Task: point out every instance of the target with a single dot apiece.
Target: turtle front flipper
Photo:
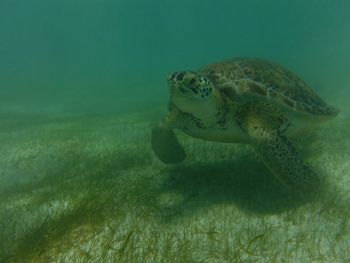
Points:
(166, 146)
(282, 159)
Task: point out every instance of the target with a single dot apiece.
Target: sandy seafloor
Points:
(89, 189)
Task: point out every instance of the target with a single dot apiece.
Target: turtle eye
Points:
(171, 76)
(192, 81)
(180, 76)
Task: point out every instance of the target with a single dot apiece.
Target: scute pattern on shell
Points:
(256, 77)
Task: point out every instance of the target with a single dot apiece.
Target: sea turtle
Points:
(244, 100)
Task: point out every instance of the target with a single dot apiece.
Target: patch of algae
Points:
(90, 190)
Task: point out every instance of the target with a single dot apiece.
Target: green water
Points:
(83, 82)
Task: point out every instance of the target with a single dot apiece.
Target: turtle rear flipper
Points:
(166, 146)
(283, 161)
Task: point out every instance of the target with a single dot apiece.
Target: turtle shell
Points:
(243, 79)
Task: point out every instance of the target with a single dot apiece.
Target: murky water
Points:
(82, 83)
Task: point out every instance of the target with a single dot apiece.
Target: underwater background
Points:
(83, 82)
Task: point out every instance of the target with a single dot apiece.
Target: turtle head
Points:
(190, 91)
